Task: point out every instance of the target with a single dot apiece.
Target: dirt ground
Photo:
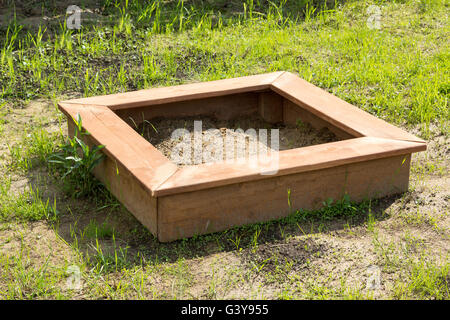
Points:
(34, 14)
(315, 259)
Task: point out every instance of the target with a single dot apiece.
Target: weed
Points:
(2, 115)
(33, 149)
(398, 73)
(26, 281)
(27, 206)
(105, 262)
(331, 209)
(94, 230)
(426, 280)
(393, 77)
(75, 161)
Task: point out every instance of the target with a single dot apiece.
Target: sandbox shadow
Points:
(103, 230)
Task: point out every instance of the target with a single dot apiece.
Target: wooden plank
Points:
(182, 92)
(222, 108)
(292, 113)
(192, 178)
(175, 203)
(270, 107)
(209, 210)
(125, 187)
(339, 113)
(123, 145)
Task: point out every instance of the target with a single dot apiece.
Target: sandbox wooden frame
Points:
(174, 203)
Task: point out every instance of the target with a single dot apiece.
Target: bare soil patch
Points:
(311, 260)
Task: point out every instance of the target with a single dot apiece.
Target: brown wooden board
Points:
(372, 160)
(215, 209)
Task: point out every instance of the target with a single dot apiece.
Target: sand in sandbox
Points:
(176, 139)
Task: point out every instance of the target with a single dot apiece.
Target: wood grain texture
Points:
(292, 113)
(123, 145)
(339, 113)
(192, 178)
(182, 92)
(174, 203)
(209, 210)
(223, 108)
(270, 107)
(125, 187)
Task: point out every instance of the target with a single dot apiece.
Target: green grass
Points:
(94, 230)
(75, 162)
(424, 279)
(2, 117)
(26, 206)
(106, 262)
(27, 281)
(33, 149)
(428, 280)
(399, 73)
